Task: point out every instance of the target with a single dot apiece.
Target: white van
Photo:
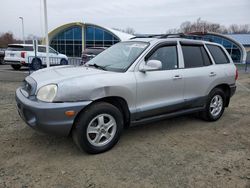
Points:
(18, 55)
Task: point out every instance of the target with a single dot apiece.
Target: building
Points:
(72, 38)
(234, 47)
(244, 39)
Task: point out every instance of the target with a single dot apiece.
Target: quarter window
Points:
(168, 57)
(218, 54)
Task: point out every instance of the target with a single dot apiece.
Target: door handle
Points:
(177, 77)
(212, 74)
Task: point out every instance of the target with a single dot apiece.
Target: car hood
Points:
(61, 73)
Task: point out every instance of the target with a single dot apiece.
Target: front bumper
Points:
(48, 117)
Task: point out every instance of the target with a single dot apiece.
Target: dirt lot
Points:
(180, 152)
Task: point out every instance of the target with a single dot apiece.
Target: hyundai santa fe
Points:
(137, 81)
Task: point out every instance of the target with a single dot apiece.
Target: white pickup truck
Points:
(18, 55)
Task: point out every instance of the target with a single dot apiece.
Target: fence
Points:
(54, 61)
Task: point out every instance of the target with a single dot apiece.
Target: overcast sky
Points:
(145, 16)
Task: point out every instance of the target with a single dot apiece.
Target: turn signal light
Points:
(70, 113)
(23, 54)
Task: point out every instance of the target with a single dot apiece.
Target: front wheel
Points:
(98, 128)
(215, 105)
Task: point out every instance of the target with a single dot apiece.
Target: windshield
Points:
(118, 57)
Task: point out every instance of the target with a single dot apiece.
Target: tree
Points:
(128, 30)
(7, 38)
(204, 26)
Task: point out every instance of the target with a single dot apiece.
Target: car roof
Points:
(9, 45)
(173, 39)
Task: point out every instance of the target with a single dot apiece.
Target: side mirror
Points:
(151, 65)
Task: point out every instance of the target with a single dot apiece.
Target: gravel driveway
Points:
(179, 152)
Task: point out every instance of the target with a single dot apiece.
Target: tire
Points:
(36, 64)
(90, 134)
(64, 62)
(16, 67)
(215, 105)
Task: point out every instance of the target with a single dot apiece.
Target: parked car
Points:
(90, 53)
(2, 55)
(132, 82)
(18, 55)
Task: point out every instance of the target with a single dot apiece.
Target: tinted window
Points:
(20, 48)
(41, 49)
(192, 56)
(218, 54)
(168, 57)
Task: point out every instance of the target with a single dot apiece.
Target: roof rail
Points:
(147, 36)
(175, 35)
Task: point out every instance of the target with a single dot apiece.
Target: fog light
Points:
(70, 113)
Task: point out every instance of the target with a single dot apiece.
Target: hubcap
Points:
(101, 129)
(216, 105)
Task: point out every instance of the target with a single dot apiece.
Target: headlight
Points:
(47, 93)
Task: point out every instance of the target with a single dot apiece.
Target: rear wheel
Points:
(215, 105)
(36, 64)
(16, 67)
(98, 128)
(64, 62)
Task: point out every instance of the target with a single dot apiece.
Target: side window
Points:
(41, 49)
(52, 51)
(218, 54)
(168, 57)
(193, 56)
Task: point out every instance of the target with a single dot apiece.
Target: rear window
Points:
(20, 48)
(41, 49)
(195, 56)
(218, 54)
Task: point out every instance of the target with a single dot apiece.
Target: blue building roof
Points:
(244, 39)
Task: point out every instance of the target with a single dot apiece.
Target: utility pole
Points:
(21, 18)
(46, 32)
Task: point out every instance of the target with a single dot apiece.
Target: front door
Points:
(160, 91)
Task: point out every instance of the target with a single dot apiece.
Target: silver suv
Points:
(132, 82)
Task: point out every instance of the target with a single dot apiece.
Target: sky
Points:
(145, 16)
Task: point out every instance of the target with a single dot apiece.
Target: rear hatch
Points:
(16, 52)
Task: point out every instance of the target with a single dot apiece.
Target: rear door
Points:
(54, 58)
(199, 73)
(160, 91)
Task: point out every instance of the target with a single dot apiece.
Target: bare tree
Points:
(128, 30)
(239, 29)
(204, 26)
(7, 38)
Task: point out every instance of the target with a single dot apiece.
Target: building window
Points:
(68, 42)
(98, 37)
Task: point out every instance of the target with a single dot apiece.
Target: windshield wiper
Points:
(96, 66)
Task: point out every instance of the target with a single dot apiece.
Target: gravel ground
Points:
(179, 152)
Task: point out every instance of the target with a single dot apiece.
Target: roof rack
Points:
(176, 35)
